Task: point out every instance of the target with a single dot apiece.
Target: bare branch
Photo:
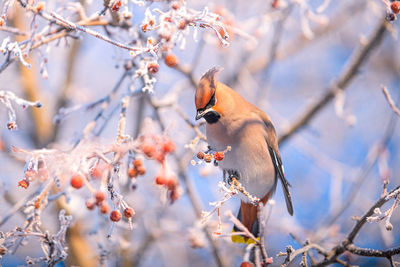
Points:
(390, 101)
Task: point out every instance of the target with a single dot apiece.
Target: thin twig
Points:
(390, 101)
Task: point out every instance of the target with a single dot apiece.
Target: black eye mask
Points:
(212, 117)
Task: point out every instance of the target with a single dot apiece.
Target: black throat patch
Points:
(212, 117)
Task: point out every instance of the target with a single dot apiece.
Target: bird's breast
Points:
(249, 155)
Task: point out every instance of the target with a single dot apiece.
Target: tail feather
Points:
(248, 216)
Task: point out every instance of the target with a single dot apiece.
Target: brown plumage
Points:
(233, 121)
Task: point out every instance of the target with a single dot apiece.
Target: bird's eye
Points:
(211, 103)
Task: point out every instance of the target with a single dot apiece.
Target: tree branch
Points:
(357, 58)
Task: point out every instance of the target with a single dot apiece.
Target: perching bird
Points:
(254, 157)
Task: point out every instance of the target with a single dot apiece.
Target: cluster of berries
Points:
(157, 147)
(208, 157)
(31, 174)
(98, 200)
(394, 10)
(170, 182)
(136, 168)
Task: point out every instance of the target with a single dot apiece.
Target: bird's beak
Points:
(200, 113)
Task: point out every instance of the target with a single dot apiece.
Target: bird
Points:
(254, 159)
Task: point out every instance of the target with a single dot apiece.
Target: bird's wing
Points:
(272, 143)
(276, 160)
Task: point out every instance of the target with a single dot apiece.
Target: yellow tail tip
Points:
(242, 240)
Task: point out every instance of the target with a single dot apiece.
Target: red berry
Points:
(96, 172)
(129, 212)
(90, 204)
(104, 208)
(115, 216)
(149, 150)
(218, 156)
(171, 60)
(100, 196)
(132, 173)
(168, 146)
(208, 158)
(160, 180)
(201, 155)
(137, 163)
(246, 264)
(23, 183)
(77, 181)
(152, 67)
(141, 170)
(395, 6)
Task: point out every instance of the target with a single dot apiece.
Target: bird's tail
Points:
(248, 216)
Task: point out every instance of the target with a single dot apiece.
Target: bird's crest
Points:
(206, 88)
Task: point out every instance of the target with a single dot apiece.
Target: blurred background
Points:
(317, 64)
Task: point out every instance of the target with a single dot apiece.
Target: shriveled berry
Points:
(100, 196)
(218, 156)
(208, 158)
(23, 183)
(77, 181)
(141, 170)
(201, 155)
(173, 195)
(11, 125)
(90, 204)
(128, 212)
(115, 216)
(132, 173)
(152, 67)
(395, 7)
(171, 60)
(104, 208)
(137, 163)
(168, 146)
(390, 16)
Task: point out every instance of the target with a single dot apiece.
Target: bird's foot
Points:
(232, 175)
